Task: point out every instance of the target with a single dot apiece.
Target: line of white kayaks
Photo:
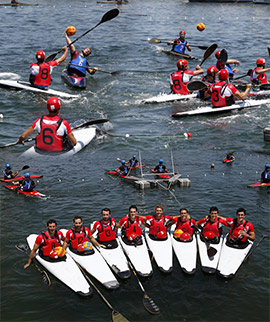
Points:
(102, 263)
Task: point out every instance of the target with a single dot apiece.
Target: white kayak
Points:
(209, 264)
(164, 98)
(231, 259)
(83, 136)
(138, 255)
(66, 271)
(186, 253)
(162, 252)
(215, 110)
(95, 265)
(20, 85)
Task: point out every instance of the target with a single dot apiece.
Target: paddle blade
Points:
(110, 15)
(25, 167)
(223, 56)
(153, 41)
(209, 51)
(118, 317)
(45, 278)
(22, 247)
(201, 47)
(211, 252)
(268, 48)
(196, 86)
(150, 305)
(91, 122)
(265, 87)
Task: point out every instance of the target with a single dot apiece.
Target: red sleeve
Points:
(34, 64)
(88, 231)
(114, 222)
(189, 72)
(175, 220)
(53, 63)
(232, 88)
(229, 221)
(65, 122)
(75, 55)
(223, 222)
(39, 239)
(96, 225)
(201, 221)
(193, 221)
(60, 235)
(123, 220)
(141, 219)
(168, 218)
(250, 227)
(68, 234)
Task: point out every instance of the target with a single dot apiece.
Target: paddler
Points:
(133, 162)
(78, 65)
(265, 175)
(40, 72)
(227, 66)
(211, 225)
(46, 242)
(160, 168)
(131, 226)
(222, 93)
(184, 228)
(52, 130)
(27, 184)
(258, 74)
(241, 229)
(208, 79)
(106, 229)
(180, 79)
(180, 44)
(123, 169)
(8, 174)
(78, 235)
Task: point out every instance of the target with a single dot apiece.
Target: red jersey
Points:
(235, 228)
(258, 78)
(105, 231)
(222, 94)
(179, 81)
(157, 225)
(48, 243)
(132, 226)
(78, 237)
(186, 227)
(42, 73)
(215, 227)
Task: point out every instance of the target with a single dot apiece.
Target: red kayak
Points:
(228, 160)
(138, 166)
(20, 178)
(114, 173)
(33, 193)
(161, 175)
(260, 184)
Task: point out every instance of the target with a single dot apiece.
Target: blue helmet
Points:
(123, 161)
(160, 161)
(134, 156)
(267, 165)
(27, 175)
(8, 165)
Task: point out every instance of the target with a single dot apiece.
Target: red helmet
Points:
(132, 236)
(53, 104)
(260, 61)
(223, 74)
(40, 54)
(212, 70)
(162, 234)
(209, 235)
(217, 54)
(182, 63)
(236, 234)
(185, 237)
(182, 31)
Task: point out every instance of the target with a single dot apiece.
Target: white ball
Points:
(1, 116)
(127, 135)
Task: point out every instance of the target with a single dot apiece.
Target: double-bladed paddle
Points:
(223, 56)
(247, 74)
(211, 251)
(158, 41)
(258, 244)
(109, 15)
(196, 86)
(209, 51)
(85, 124)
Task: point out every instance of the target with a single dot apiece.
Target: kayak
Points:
(74, 81)
(186, 252)
(209, 264)
(95, 265)
(162, 252)
(228, 161)
(164, 98)
(18, 4)
(65, 270)
(20, 178)
(33, 193)
(138, 255)
(215, 110)
(83, 135)
(116, 259)
(174, 53)
(161, 175)
(231, 258)
(260, 184)
(113, 2)
(19, 85)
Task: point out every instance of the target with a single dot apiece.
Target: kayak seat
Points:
(236, 244)
(153, 237)
(109, 244)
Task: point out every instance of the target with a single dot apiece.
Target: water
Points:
(76, 185)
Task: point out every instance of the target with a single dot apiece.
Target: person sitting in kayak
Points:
(78, 235)
(258, 74)
(8, 174)
(133, 162)
(46, 242)
(160, 168)
(265, 175)
(222, 93)
(27, 184)
(184, 228)
(208, 79)
(54, 133)
(241, 229)
(40, 72)
(229, 157)
(180, 44)
(78, 65)
(211, 226)
(227, 66)
(180, 79)
(131, 226)
(106, 229)
(123, 169)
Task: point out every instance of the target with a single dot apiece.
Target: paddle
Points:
(45, 276)
(24, 168)
(268, 48)
(106, 17)
(97, 69)
(116, 316)
(209, 51)
(158, 41)
(211, 251)
(87, 123)
(148, 303)
(223, 56)
(196, 86)
(253, 248)
(247, 74)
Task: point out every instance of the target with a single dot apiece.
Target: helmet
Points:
(8, 166)
(27, 175)
(160, 161)
(182, 31)
(217, 54)
(80, 248)
(162, 234)
(53, 104)
(212, 70)
(134, 156)
(267, 165)
(182, 63)
(123, 161)
(40, 54)
(236, 233)
(209, 235)
(223, 74)
(132, 236)
(260, 61)
(185, 237)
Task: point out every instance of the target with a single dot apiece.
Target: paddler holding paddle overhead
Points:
(52, 130)
(40, 72)
(180, 79)
(258, 74)
(180, 44)
(8, 174)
